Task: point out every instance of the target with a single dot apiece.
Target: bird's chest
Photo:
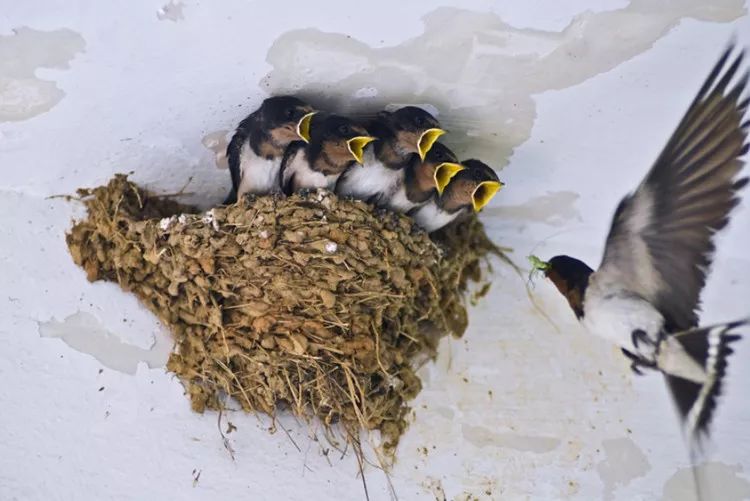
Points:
(257, 174)
(303, 176)
(370, 179)
(399, 202)
(616, 316)
(431, 217)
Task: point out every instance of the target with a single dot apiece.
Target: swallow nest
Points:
(311, 303)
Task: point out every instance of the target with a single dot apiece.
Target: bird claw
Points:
(637, 362)
(640, 336)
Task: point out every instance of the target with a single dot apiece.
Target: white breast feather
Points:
(257, 174)
(364, 181)
(614, 314)
(431, 217)
(304, 176)
(399, 202)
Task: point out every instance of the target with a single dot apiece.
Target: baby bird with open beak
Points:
(336, 143)
(257, 147)
(402, 135)
(419, 184)
(459, 191)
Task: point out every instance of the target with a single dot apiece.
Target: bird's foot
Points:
(640, 336)
(637, 362)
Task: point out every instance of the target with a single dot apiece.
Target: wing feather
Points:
(660, 243)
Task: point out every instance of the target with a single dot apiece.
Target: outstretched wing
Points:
(660, 244)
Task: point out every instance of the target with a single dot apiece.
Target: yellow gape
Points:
(426, 140)
(357, 145)
(303, 127)
(484, 193)
(443, 174)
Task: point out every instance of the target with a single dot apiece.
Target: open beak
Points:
(483, 193)
(357, 145)
(303, 126)
(426, 140)
(443, 174)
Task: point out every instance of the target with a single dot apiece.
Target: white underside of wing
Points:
(628, 260)
(257, 174)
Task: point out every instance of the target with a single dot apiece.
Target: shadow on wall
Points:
(477, 70)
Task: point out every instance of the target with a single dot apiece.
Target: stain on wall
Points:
(23, 94)
(171, 11)
(217, 142)
(84, 333)
(623, 463)
(715, 477)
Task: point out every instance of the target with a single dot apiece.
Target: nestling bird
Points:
(460, 189)
(418, 184)
(402, 135)
(336, 143)
(257, 147)
(645, 295)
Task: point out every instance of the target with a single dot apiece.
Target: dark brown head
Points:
(407, 131)
(285, 119)
(336, 143)
(571, 277)
(421, 182)
(470, 188)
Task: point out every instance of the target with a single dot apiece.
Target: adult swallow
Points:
(645, 295)
(257, 147)
(402, 135)
(335, 144)
(460, 189)
(418, 184)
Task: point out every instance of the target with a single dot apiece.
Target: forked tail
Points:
(694, 363)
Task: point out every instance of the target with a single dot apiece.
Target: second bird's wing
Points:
(660, 244)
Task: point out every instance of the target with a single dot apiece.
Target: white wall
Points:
(573, 98)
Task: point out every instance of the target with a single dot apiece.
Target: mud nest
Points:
(311, 303)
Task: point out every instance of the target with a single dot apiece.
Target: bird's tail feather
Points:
(694, 364)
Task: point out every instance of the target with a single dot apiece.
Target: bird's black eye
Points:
(289, 113)
(419, 120)
(345, 130)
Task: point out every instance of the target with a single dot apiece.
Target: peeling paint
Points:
(554, 208)
(484, 437)
(623, 463)
(217, 142)
(84, 333)
(478, 70)
(715, 477)
(171, 11)
(22, 94)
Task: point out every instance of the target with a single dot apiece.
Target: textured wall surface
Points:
(572, 99)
